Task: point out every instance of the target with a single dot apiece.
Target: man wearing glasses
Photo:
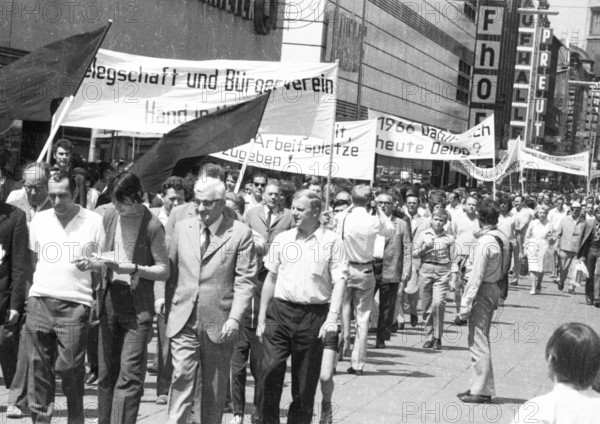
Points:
(259, 184)
(33, 197)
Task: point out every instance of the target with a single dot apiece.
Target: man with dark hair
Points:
(63, 152)
(259, 184)
(61, 241)
(231, 180)
(172, 194)
(506, 224)
(480, 298)
(569, 239)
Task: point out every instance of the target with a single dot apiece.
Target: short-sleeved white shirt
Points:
(56, 275)
(307, 269)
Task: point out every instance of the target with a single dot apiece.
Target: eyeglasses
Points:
(206, 203)
(260, 184)
(384, 203)
(36, 187)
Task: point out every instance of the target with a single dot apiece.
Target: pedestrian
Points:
(63, 154)
(300, 306)
(538, 238)
(436, 250)
(523, 216)
(590, 254)
(506, 224)
(573, 356)
(569, 239)
(212, 281)
(126, 298)
(61, 241)
(481, 296)
(358, 230)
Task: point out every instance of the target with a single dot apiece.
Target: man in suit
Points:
(31, 199)
(268, 220)
(213, 268)
(590, 253)
(13, 276)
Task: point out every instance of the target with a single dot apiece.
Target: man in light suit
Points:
(213, 270)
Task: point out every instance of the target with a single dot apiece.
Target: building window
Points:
(595, 23)
(470, 9)
(463, 83)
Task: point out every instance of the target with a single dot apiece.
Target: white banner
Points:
(401, 138)
(353, 152)
(574, 164)
(153, 95)
(507, 165)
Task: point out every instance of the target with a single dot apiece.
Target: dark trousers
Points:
(92, 348)
(58, 335)
(248, 347)
(388, 292)
(291, 329)
(18, 387)
(592, 288)
(122, 369)
(164, 361)
(9, 351)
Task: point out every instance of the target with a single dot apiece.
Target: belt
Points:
(436, 263)
(360, 263)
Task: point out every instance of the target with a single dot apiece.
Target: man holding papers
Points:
(60, 299)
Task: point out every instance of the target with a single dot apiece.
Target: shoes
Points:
(589, 301)
(161, 400)
(476, 399)
(437, 344)
(13, 411)
(414, 320)
(152, 370)
(428, 344)
(93, 377)
(228, 409)
(467, 393)
(458, 321)
(379, 344)
(561, 285)
(571, 290)
(372, 330)
(501, 302)
(394, 327)
(357, 373)
(597, 303)
(532, 291)
(326, 413)
(514, 283)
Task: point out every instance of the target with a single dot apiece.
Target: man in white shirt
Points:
(506, 224)
(523, 216)
(555, 215)
(358, 230)
(61, 241)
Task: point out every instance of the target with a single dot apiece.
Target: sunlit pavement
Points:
(404, 383)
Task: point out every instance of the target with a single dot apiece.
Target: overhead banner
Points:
(574, 164)
(126, 92)
(507, 165)
(353, 152)
(400, 138)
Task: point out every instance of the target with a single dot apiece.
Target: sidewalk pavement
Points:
(404, 383)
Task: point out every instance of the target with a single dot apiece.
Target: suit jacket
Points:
(586, 237)
(222, 283)
(256, 218)
(397, 257)
(14, 259)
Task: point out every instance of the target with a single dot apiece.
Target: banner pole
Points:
(62, 112)
(328, 188)
(494, 182)
(245, 165)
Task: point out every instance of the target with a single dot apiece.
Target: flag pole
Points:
(494, 182)
(66, 103)
(245, 165)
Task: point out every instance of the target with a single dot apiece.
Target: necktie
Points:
(269, 214)
(205, 243)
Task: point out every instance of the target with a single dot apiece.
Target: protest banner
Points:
(128, 92)
(400, 138)
(573, 164)
(507, 165)
(353, 152)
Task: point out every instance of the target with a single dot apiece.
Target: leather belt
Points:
(360, 263)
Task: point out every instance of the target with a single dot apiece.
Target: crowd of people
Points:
(90, 261)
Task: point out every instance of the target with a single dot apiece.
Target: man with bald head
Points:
(33, 197)
(213, 271)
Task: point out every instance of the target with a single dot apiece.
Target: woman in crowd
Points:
(539, 236)
(573, 356)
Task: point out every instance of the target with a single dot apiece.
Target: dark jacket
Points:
(14, 259)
